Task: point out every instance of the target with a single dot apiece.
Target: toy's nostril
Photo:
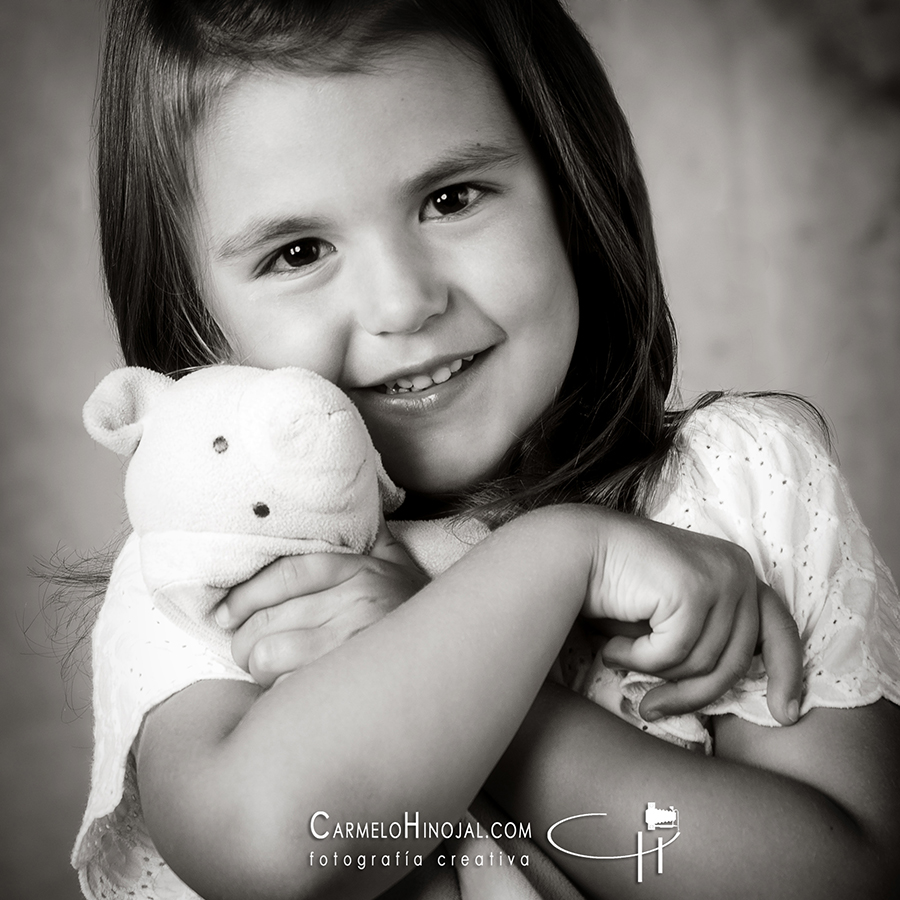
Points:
(261, 510)
(220, 445)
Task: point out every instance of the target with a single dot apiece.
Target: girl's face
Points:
(394, 233)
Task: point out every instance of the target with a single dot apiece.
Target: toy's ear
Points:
(113, 413)
(391, 495)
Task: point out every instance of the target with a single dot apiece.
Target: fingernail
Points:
(223, 616)
(652, 715)
(793, 710)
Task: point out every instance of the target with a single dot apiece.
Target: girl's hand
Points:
(707, 612)
(301, 607)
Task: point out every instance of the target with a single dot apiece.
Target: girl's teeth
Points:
(423, 381)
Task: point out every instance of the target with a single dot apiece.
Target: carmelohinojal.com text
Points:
(414, 829)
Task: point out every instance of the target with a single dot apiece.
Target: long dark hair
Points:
(607, 435)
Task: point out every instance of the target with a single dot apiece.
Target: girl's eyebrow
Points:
(468, 157)
(462, 159)
(263, 231)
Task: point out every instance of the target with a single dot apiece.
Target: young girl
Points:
(437, 206)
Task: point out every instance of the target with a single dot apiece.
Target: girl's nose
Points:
(400, 289)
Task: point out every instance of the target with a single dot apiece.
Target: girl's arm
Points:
(409, 716)
(808, 811)
(230, 776)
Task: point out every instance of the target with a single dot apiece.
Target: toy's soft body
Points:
(233, 467)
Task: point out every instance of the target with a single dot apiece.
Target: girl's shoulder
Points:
(750, 448)
(741, 422)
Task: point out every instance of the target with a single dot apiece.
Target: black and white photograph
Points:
(450, 450)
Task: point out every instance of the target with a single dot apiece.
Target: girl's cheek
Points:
(538, 273)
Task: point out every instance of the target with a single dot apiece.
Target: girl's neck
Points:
(427, 506)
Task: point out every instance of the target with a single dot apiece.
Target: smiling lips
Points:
(411, 384)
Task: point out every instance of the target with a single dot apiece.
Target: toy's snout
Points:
(297, 426)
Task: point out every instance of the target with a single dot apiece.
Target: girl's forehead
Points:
(395, 123)
(426, 63)
(431, 80)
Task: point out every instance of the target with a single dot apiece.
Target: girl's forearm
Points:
(442, 683)
(746, 830)
(410, 715)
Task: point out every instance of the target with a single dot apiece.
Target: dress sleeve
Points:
(139, 659)
(756, 471)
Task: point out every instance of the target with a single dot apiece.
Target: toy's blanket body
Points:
(232, 468)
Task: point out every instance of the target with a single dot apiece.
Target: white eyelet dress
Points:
(752, 471)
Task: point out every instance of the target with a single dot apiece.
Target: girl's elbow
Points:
(273, 852)
(235, 845)
(247, 859)
(279, 844)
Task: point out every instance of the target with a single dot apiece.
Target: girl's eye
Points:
(300, 254)
(451, 201)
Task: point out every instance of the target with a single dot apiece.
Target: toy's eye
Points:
(220, 445)
(261, 510)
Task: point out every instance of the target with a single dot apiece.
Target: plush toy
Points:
(232, 467)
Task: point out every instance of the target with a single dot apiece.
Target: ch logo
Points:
(653, 818)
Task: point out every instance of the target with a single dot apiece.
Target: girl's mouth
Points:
(415, 383)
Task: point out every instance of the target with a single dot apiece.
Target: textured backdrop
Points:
(770, 133)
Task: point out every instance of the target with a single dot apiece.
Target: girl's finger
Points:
(284, 579)
(675, 697)
(281, 652)
(782, 655)
(286, 652)
(312, 612)
(701, 659)
(716, 636)
(667, 645)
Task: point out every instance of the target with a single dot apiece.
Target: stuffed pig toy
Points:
(232, 467)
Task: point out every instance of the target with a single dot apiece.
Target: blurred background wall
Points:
(770, 133)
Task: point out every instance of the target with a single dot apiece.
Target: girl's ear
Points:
(391, 495)
(114, 412)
